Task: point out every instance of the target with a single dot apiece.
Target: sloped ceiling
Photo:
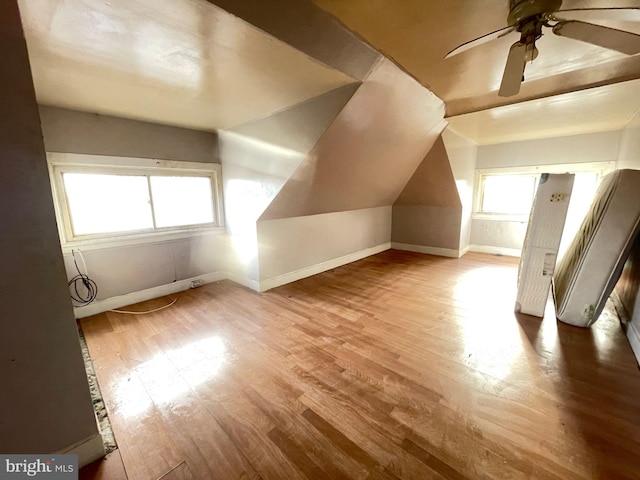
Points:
(178, 62)
(418, 35)
(219, 64)
(369, 152)
(306, 27)
(299, 127)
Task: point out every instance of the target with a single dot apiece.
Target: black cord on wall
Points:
(83, 289)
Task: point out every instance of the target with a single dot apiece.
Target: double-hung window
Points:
(102, 199)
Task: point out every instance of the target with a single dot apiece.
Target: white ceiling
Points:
(190, 63)
(418, 34)
(176, 62)
(609, 107)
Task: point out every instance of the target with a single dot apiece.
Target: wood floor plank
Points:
(400, 365)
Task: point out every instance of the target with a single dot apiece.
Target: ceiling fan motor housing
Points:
(522, 10)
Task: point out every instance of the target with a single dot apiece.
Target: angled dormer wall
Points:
(258, 158)
(336, 207)
(427, 215)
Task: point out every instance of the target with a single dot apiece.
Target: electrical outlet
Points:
(196, 283)
(559, 197)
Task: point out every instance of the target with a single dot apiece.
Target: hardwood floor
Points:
(400, 365)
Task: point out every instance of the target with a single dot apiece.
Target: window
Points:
(508, 193)
(112, 199)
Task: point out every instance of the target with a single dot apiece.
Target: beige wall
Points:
(258, 159)
(629, 156)
(369, 152)
(428, 212)
(462, 154)
(44, 396)
(586, 148)
(253, 172)
(428, 226)
(132, 268)
(117, 270)
(71, 131)
(291, 244)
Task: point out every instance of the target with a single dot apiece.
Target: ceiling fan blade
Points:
(513, 71)
(596, 9)
(480, 41)
(619, 40)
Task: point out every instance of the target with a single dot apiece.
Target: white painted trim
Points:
(285, 278)
(153, 238)
(59, 163)
(633, 334)
(509, 252)
(243, 280)
(88, 450)
(148, 294)
(464, 251)
(441, 252)
(181, 285)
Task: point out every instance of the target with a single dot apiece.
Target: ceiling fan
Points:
(528, 17)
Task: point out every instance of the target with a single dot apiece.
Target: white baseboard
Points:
(441, 252)
(148, 294)
(283, 279)
(509, 252)
(181, 285)
(464, 251)
(243, 280)
(88, 450)
(633, 334)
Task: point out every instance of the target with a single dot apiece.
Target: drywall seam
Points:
(440, 252)
(509, 252)
(289, 277)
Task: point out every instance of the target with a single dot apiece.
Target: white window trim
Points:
(60, 163)
(599, 168)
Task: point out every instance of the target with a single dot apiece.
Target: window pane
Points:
(182, 201)
(510, 194)
(107, 203)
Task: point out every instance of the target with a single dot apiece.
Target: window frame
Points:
(61, 163)
(599, 168)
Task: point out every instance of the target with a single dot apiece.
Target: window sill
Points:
(138, 239)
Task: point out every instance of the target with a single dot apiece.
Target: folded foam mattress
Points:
(587, 274)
